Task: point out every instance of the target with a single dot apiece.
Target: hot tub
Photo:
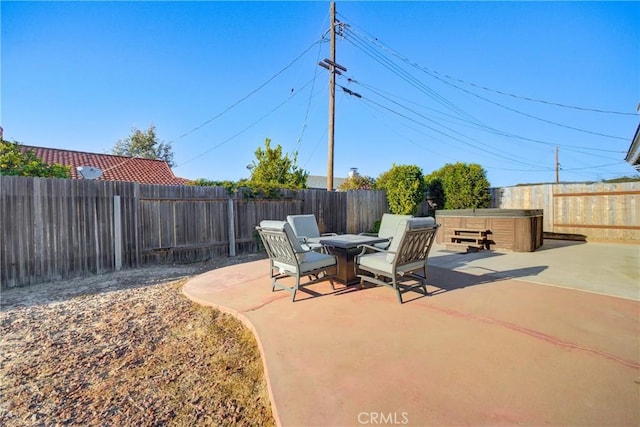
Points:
(518, 230)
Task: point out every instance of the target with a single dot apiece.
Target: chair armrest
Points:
(365, 248)
(329, 234)
(323, 249)
(368, 234)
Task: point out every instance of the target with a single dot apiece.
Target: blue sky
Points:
(441, 82)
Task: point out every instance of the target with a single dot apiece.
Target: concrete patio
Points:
(549, 337)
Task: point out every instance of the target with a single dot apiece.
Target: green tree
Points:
(357, 182)
(405, 188)
(465, 186)
(17, 162)
(273, 170)
(145, 145)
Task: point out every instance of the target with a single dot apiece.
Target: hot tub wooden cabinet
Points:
(518, 230)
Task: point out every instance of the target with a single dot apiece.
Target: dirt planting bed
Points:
(127, 348)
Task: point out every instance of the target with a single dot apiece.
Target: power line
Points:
(306, 115)
(500, 92)
(360, 44)
(316, 73)
(376, 42)
(483, 149)
(248, 127)
(486, 128)
(541, 101)
(591, 167)
(250, 93)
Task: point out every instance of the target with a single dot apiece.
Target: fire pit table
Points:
(345, 249)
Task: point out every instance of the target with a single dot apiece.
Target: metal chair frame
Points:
(290, 260)
(409, 260)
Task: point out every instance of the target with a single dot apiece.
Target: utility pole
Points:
(334, 68)
(557, 167)
(332, 96)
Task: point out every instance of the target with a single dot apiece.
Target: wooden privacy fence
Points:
(598, 212)
(53, 229)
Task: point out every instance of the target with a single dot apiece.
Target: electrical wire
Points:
(500, 92)
(376, 42)
(490, 129)
(248, 127)
(404, 75)
(541, 101)
(317, 72)
(250, 93)
(306, 115)
(482, 149)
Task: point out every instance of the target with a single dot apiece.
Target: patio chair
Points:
(305, 227)
(405, 258)
(388, 226)
(289, 259)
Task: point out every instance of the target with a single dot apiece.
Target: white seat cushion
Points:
(309, 261)
(378, 261)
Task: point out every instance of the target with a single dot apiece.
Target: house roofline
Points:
(633, 155)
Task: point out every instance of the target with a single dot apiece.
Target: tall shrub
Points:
(274, 170)
(465, 186)
(405, 188)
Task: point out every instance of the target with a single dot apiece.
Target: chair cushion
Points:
(304, 225)
(407, 224)
(395, 241)
(378, 261)
(389, 224)
(308, 261)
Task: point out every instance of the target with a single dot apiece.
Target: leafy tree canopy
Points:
(405, 188)
(465, 186)
(145, 145)
(273, 170)
(358, 182)
(16, 162)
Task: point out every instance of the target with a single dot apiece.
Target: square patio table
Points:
(345, 249)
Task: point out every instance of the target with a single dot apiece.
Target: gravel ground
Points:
(127, 348)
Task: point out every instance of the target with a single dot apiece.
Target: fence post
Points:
(117, 229)
(232, 229)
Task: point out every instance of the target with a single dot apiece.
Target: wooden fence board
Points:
(598, 211)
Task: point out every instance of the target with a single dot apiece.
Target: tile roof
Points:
(114, 168)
